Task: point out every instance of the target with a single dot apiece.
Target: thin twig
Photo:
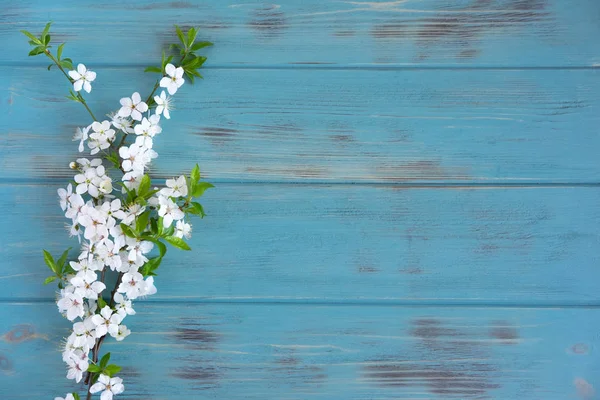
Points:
(79, 96)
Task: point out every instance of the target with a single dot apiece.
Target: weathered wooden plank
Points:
(235, 351)
(342, 126)
(350, 243)
(432, 32)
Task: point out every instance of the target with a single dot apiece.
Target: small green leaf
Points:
(33, 38)
(63, 259)
(177, 242)
(50, 66)
(46, 40)
(112, 369)
(46, 29)
(66, 64)
(154, 69)
(127, 231)
(104, 360)
(189, 76)
(49, 279)
(144, 185)
(101, 303)
(50, 262)
(180, 35)
(200, 45)
(142, 221)
(197, 209)
(200, 188)
(59, 50)
(195, 174)
(76, 396)
(36, 50)
(150, 266)
(94, 368)
(191, 36)
(153, 226)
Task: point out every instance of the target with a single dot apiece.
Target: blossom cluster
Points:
(100, 219)
(119, 221)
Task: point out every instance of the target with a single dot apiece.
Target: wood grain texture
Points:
(236, 351)
(500, 126)
(308, 32)
(345, 243)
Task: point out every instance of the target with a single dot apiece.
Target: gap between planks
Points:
(406, 185)
(335, 67)
(438, 303)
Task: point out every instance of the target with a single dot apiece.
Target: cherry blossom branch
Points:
(80, 98)
(120, 230)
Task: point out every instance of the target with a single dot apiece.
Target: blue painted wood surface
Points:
(406, 204)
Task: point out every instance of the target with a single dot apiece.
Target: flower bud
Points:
(105, 186)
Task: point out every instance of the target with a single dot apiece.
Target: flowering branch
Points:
(120, 229)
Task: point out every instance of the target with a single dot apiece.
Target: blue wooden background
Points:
(407, 202)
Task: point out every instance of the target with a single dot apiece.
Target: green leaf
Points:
(154, 69)
(67, 64)
(104, 360)
(142, 221)
(180, 35)
(144, 185)
(177, 242)
(101, 303)
(46, 40)
(30, 36)
(50, 279)
(46, 29)
(112, 369)
(63, 259)
(59, 50)
(200, 188)
(50, 66)
(195, 174)
(36, 50)
(201, 45)
(151, 265)
(94, 368)
(191, 36)
(189, 76)
(153, 226)
(197, 209)
(162, 248)
(127, 231)
(76, 396)
(50, 262)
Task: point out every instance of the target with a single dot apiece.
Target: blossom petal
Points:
(172, 87)
(170, 69)
(75, 75)
(78, 85)
(164, 82)
(86, 86)
(81, 69)
(179, 72)
(125, 102)
(96, 387)
(135, 97)
(90, 76)
(166, 113)
(136, 115)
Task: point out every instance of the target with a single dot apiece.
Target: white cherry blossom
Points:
(173, 80)
(82, 77)
(175, 188)
(183, 229)
(106, 322)
(164, 104)
(131, 284)
(123, 305)
(169, 210)
(65, 196)
(76, 369)
(71, 304)
(133, 107)
(108, 386)
(81, 134)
